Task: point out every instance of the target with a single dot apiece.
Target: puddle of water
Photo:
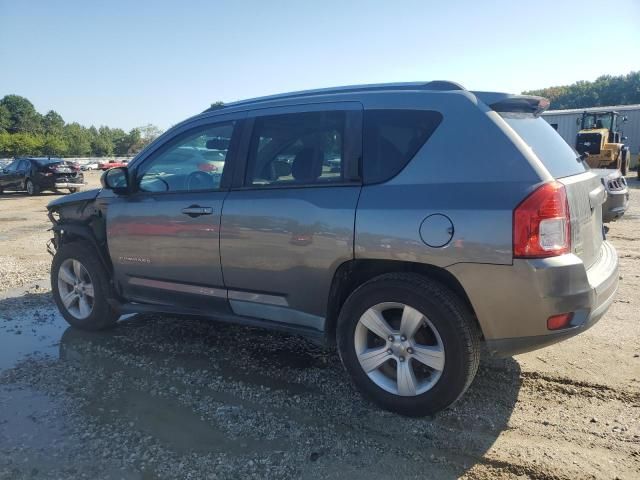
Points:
(171, 423)
(26, 419)
(33, 329)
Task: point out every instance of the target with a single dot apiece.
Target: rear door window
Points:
(392, 138)
(556, 154)
(297, 149)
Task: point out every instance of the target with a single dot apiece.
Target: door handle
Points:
(196, 210)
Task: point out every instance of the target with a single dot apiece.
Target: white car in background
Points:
(90, 166)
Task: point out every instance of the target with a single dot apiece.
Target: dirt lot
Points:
(163, 397)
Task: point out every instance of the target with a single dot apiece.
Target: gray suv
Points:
(409, 224)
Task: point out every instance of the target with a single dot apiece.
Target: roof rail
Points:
(441, 85)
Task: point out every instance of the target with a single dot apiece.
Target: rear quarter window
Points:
(391, 138)
(556, 154)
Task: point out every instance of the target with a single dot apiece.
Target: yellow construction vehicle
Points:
(600, 140)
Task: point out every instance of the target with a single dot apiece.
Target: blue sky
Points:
(128, 63)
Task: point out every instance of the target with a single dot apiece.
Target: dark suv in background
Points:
(36, 174)
(408, 224)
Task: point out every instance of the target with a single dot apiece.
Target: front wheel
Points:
(74, 190)
(409, 344)
(80, 287)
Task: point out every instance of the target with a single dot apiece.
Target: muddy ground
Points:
(165, 397)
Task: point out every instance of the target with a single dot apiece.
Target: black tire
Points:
(74, 190)
(624, 165)
(31, 187)
(445, 310)
(102, 315)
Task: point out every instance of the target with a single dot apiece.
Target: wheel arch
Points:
(353, 273)
(68, 232)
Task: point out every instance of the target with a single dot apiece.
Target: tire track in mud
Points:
(564, 385)
(489, 468)
(571, 387)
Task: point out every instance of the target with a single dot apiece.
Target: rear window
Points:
(556, 154)
(392, 138)
(47, 161)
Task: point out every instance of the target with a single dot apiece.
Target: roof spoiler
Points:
(503, 103)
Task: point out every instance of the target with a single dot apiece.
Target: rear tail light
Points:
(542, 224)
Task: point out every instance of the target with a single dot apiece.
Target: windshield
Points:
(597, 120)
(556, 154)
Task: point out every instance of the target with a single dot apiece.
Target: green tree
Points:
(77, 139)
(120, 141)
(54, 146)
(23, 117)
(605, 90)
(23, 144)
(5, 118)
(149, 133)
(52, 123)
(102, 146)
(5, 144)
(134, 141)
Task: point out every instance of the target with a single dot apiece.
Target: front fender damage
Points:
(79, 217)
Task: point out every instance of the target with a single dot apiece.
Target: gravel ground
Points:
(164, 397)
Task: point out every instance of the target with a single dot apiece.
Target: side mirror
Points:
(116, 179)
(578, 121)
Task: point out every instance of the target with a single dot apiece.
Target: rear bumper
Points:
(51, 182)
(513, 302)
(616, 204)
(68, 185)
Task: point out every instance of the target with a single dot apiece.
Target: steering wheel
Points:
(199, 180)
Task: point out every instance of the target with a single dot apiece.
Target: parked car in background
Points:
(408, 224)
(36, 174)
(617, 200)
(90, 166)
(112, 164)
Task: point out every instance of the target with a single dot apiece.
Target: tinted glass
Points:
(23, 166)
(193, 162)
(556, 154)
(47, 161)
(392, 138)
(297, 148)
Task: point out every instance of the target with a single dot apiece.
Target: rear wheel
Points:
(80, 287)
(624, 165)
(409, 344)
(31, 188)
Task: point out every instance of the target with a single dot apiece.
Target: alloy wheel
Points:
(399, 349)
(75, 288)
